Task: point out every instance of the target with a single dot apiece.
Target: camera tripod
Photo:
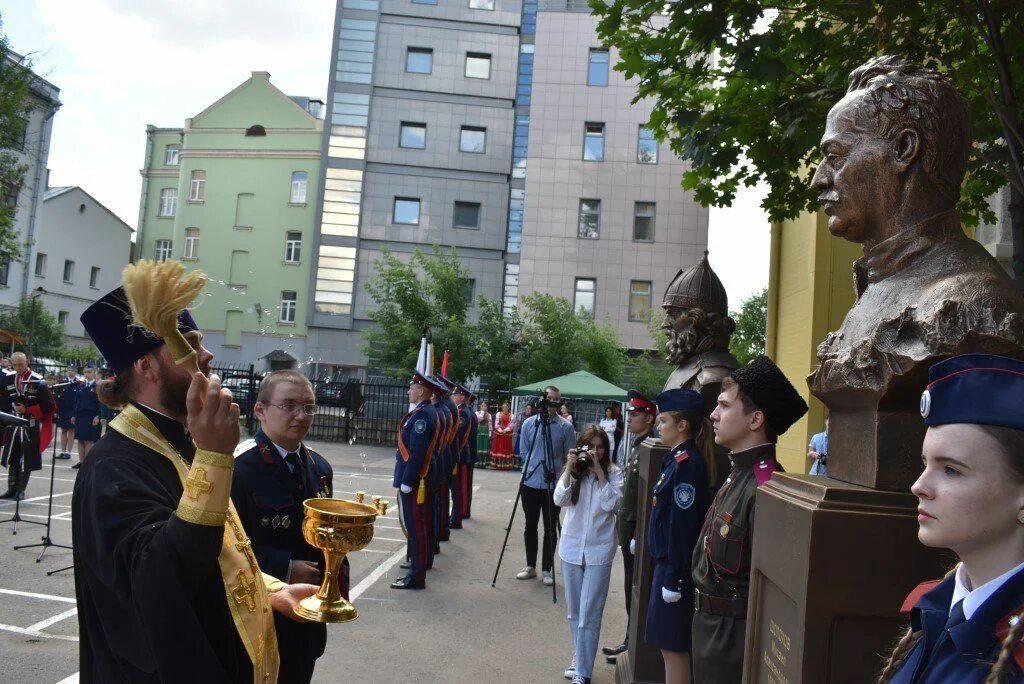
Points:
(46, 541)
(21, 434)
(546, 462)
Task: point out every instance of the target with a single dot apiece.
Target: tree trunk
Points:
(1016, 217)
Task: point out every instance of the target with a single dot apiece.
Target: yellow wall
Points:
(810, 289)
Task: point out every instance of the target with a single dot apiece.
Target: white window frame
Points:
(288, 306)
(481, 56)
(191, 244)
(172, 155)
(593, 293)
(300, 186)
(168, 202)
(472, 129)
(292, 247)
(197, 187)
(634, 293)
(162, 250)
(40, 264)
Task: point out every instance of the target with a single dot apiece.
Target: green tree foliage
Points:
(15, 105)
(427, 290)
(751, 326)
(742, 87)
(499, 345)
(43, 334)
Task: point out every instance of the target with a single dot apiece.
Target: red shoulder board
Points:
(682, 456)
(763, 470)
(915, 596)
(1003, 628)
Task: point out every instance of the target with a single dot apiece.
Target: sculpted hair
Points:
(903, 95)
(272, 380)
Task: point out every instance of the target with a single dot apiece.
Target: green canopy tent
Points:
(578, 385)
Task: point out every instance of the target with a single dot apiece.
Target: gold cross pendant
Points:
(196, 484)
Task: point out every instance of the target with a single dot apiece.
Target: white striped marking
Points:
(29, 594)
(377, 573)
(43, 624)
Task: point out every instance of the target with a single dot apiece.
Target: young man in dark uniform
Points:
(460, 471)
(418, 439)
(756, 405)
(467, 482)
(26, 394)
(167, 585)
(65, 393)
(86, 418)
(274, 473)
(639, 422)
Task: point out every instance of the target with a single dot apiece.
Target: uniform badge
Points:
(926, 403)
(685, 494)
(420, 426)
(275, 522)
(286, 522)
(264, 521)
(724, 530)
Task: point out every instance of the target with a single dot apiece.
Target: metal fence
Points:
(360, 412)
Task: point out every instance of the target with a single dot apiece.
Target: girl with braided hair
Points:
(969, 626)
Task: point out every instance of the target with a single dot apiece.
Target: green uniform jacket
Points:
(625, 522)
(721, 569)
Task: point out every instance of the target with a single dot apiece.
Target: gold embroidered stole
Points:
(244, 584)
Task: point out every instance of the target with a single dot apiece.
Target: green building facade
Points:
(234, 194)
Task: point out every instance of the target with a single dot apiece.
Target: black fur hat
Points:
(764, 384)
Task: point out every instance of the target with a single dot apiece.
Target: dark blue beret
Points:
(108, 323)
(975, 388)
(680, 400)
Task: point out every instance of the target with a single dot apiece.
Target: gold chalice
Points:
(336, 527)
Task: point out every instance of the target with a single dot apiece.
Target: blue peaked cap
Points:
(680, 400)
(983, 389)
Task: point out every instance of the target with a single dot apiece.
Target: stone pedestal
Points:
(832, 564)
(642, 664)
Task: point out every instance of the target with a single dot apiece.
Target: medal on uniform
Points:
(724, 530)
(286, 522)
(264, 521)
(276, 522)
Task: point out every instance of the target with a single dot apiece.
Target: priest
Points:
(168, 587)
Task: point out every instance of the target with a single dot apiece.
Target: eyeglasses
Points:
(308, 409)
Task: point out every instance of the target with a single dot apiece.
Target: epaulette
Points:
(914, 596)
(763, 470)
(1003, 628)
(244, 446)
(682, 456)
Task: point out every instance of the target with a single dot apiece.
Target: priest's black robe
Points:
(151, 599)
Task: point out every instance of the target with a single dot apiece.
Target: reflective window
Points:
(300, 183)
(191, 244)
(481, 4)
(478, 65)
(288, 306)
(171, 155)
(292, 246)
(597, 69)
(510, 293)
(590, 219)
(473, 139)
(466, 215)
(413, 135)
(168, 201)
(407, 210)
(593, 142)
(334, 280)
(639, 299)
(197, 186)
(162, 250)
(646, 147)
(584, 297)
(419, 60)
(643, 221)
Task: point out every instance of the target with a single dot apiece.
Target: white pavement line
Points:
(39, 635)
(389, 539)
(376, 550)
(9, 505)
(43, 624)
(29, 594)
(39, 517)
(45, 496)
(377, 573)
(66, 515)
(73, 679)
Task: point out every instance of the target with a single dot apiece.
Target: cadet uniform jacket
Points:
(721, 569)
(625, 523)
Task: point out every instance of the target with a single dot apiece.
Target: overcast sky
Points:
(122, 64)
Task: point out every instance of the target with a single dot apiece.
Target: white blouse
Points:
(588, 530)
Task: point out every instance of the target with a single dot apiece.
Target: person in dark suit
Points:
(65, 392)
(86, 418)
(274, 473)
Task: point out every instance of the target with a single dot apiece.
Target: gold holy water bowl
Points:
(336, 527)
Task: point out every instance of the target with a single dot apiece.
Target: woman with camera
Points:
(680, 502)
(589, 491)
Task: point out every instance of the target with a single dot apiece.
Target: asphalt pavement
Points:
(459, 629)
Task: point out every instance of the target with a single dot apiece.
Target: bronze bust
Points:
(698, 326)
(894, 152)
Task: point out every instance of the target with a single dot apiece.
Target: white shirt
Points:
(588, 530)
(973, 599)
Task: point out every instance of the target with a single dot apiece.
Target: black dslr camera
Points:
(583, 461)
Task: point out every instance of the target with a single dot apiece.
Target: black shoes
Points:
(9, 494)
(616, 650)
(407, 583)
(77, 466)
(63, 456)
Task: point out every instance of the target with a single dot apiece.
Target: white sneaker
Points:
(547, 578)
(579, 679)
(570, 671)
(527, 573)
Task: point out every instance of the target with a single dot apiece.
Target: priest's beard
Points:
(174, 390)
